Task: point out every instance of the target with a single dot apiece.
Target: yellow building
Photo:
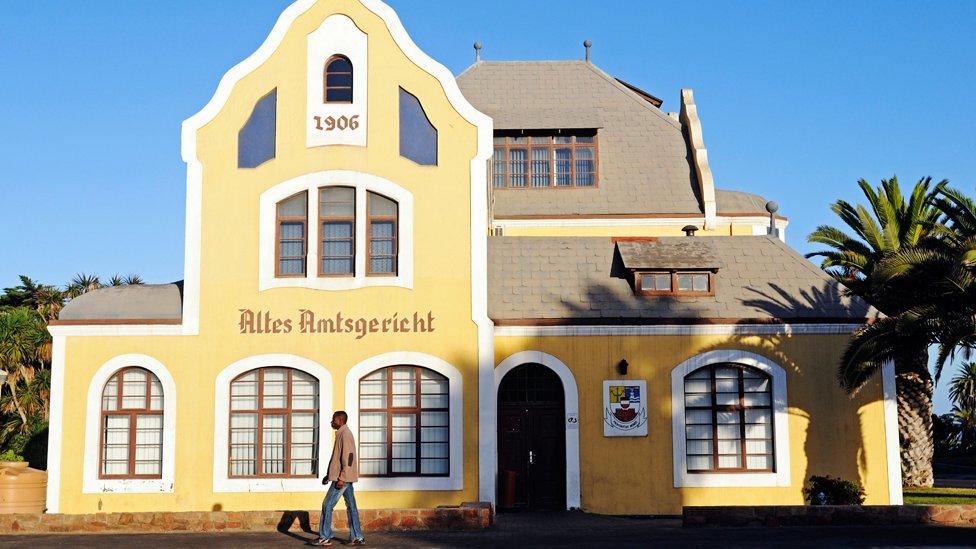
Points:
(535, 334)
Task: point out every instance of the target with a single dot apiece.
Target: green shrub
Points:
(10, 455)
(828, 490)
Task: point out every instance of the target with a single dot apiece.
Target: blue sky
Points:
(798, 100)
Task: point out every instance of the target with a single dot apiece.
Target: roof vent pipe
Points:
(689, 230)
(772, 208)
(587, 44)
(477, 52)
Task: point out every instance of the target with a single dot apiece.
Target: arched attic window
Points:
(338, 80)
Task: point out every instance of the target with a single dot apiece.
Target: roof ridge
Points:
(633, 95)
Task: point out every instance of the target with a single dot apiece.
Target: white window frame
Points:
(91, 484)
(221, 480)
(363, 183)
(456, 413)
(781, 432)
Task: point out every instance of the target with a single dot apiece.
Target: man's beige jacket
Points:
(344, 464)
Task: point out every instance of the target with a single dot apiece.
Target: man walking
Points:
(343, 472)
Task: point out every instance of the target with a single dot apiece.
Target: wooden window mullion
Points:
(259, 451)
(389, 421)
(286, 450)
(715, 461)
(419, 414)
(742, 418)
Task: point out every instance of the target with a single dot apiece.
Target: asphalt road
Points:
(547, 530)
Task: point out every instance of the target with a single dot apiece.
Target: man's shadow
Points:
(289, 517)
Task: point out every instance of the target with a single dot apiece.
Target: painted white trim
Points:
(118, 330)
(758, 224)
(682, 478)
(55, 425)
(699, 155)
(194, 167)
(221, 482)
(635, 222)
(479, 206)
(677, 329)
(337, 35)
(91, 484)
(456, 413)
(311, 183)
(571, 392)
(892, 446)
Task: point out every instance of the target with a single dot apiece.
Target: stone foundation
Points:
(468, 516)
(830, 515)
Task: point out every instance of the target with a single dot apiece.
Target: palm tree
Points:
(23, 339)
(890, 225)
(83, 283)
(962, 388)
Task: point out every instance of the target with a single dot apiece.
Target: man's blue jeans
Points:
(328, 504)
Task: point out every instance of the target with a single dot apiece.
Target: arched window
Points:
(728, 419)
(273, 424)
(381, 256)
(337, 219)
(404, 426)
(132, 426)
(338, 80)
(291, 235)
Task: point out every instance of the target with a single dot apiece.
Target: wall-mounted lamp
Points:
(622, 366)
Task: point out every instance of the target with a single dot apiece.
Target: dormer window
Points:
(545, 159)
(338, 80)
(676, 283)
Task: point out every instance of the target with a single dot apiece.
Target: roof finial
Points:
(587, 44)
(477, 52)
(772, 208)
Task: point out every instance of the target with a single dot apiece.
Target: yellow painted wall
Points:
(229, 279)
(628, 230)
(830, 432)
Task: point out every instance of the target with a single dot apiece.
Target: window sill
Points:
(330, 283)
(397, 484)
(240, 485)
(731, 480)
(129, 486)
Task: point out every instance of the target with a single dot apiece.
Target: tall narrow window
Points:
(256, 139)
(382, 252)
(728, 420)
(404, 423)
(337, 219)
(292, 228)
(132, 426)
(418, 136)
(338, 80)
(274, 424)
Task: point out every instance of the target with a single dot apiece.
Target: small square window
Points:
(656, 282)
(659, 283)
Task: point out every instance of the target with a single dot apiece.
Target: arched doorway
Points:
(531, 439)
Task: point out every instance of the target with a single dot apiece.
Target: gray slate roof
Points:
(577, 279)
(739, 202)
(134, 302)
(580, 279)
(644, 159)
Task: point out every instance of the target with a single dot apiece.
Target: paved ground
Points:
(550, 530)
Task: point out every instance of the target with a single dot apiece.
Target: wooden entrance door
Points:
(532, 439)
